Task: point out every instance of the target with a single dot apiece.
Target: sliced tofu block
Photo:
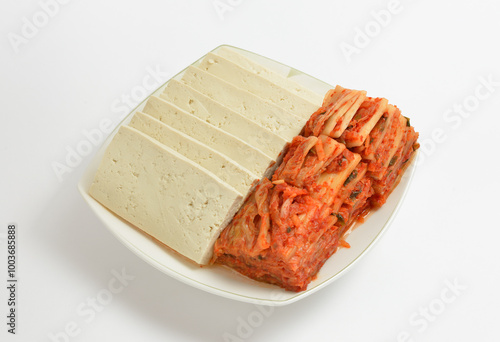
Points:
(165, 194)
(236, 149)
(203, 107)
(258, 85)
(269, 116)
(286, 83)
(227, 170)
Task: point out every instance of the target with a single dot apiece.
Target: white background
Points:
(76, 70)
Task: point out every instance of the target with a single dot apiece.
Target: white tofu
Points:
(236, 149)
(227, 170)
(214, 113)
(165, 194)
(268, 115)
(258, 85)
(249, 64)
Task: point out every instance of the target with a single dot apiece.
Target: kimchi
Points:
(350, 156)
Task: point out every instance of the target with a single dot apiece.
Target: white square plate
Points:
(224, 281)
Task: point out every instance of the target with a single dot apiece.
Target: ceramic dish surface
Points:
(221, 280)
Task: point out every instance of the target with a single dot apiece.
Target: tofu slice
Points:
(286, 83)
(236, 149)
(203, 107)
(258, 85)
(227, 170)
(269, 116)
(165, 194)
